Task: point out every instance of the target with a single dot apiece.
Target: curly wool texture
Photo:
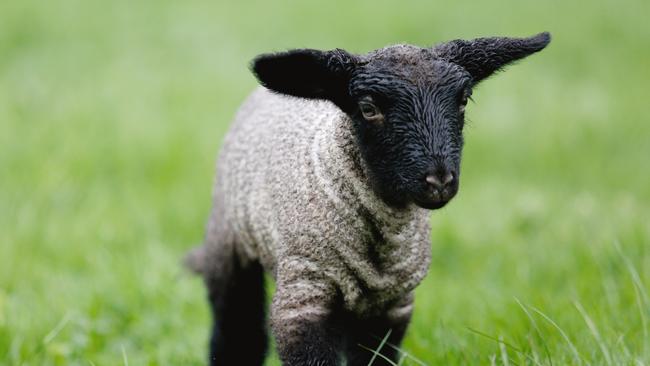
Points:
(292, 192)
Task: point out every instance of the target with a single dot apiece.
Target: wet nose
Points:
(440, 180)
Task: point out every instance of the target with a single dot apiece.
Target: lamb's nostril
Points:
(440, 181)
(434, 181)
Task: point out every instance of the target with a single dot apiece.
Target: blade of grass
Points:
(125, 359)
(504, 352)
(533, 350)
(406, 354)
(378, 355)
(377, 352)
(537, 330)
(573, 348)
(502, 341)
(641, 296)
(594, 330)
(633, 272)
(57, 329)
(620, 341)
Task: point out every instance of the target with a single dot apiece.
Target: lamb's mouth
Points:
(432, 200)
(431, 204)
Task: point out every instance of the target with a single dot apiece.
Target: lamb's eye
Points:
(369, 111)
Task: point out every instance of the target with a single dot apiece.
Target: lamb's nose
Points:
(440, 180)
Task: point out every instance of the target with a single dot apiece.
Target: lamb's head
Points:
(407, 104)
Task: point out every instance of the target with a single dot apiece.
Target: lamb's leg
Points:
(305, 330)
(370, 332)
(236, 294)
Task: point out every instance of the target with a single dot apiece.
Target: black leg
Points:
(308, 343)
(366, 336)
(237, 297)
(303, 322)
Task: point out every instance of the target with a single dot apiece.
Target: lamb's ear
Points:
(307, 73)
(482, 57)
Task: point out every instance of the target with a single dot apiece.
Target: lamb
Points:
(326, 181)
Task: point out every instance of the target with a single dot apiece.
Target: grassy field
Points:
(111, 114)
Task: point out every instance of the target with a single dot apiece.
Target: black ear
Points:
(307, 73)
(482, 57)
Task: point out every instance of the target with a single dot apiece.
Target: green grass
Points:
(111, 114)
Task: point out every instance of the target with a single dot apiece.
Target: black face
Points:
(410, 126)
(407, 105)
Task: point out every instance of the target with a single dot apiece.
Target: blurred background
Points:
(112, 113)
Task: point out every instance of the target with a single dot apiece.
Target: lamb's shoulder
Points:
(265, 172)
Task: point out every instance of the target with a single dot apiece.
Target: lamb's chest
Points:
(374, 285)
